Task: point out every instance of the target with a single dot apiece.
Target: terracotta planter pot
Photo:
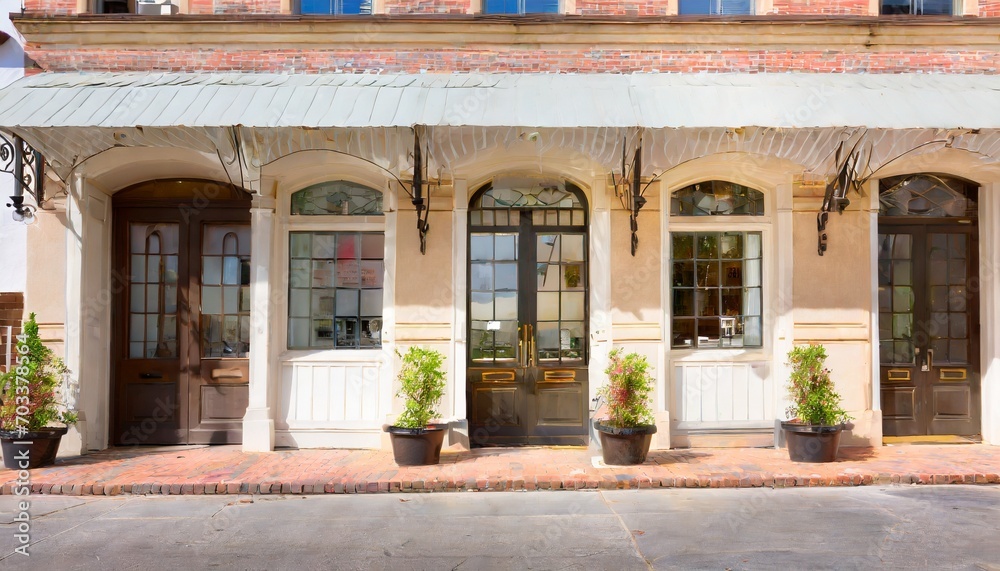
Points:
(624, 446)
(416, 446)
(812, 443)
(40, 447)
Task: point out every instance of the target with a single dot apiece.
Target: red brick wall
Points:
(51, 7)
(831, 7)
(11, 313)
(427, 6)
(989, 8)
(201, 6)
(519, 60)
(621, 7)
(247, 6)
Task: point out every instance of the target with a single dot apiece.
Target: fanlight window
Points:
(551, 203)
(337, 197)
(715, 198)
(927, 195)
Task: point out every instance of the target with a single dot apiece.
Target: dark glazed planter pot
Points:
(624, 446)
(416, 446)
(40, 447)
(812, 443)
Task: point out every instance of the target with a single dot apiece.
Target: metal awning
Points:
(262, 117)
(901, 101)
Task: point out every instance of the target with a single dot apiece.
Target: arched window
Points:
(928, 196)
(716, 273)
(335, 281)
(717, 197)
(337, 197)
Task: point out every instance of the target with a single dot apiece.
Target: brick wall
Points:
(247, 6)
(989, 8)
(520, 60)
(51, 7)
(427, 6)
(826, 7)
(621, 7)
(11, 313)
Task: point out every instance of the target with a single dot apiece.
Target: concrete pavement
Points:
(912, 527)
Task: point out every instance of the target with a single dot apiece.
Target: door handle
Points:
(150, 375)
(531, 346)
(930, 359)
(520, 345)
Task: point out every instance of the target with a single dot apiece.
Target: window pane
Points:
(695, 7)
(541, 6)
(320, 316)
(717, 299)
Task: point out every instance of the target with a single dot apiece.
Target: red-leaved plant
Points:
(628, 390)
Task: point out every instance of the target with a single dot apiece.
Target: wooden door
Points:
(527, 375)
(181, 314)
(929, 328)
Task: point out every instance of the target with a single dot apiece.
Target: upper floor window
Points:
(335, 7)
(716, 7)
(521, 6)
(919, 7)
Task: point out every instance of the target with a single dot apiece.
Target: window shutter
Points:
(738, 7)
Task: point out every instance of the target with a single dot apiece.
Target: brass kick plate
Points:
(954, 374)
(560, 376)
(898, 374)
(497, 376)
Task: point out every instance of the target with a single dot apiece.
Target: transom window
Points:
(927, 195)
(337, 197)
(918, 7)
(336, 7)
(521, 6)
(717, 197)
(716, 7)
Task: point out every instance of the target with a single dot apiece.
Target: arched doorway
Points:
(528, 314)
(928, 300)
(181, 314)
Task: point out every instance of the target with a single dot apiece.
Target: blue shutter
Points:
(541, 6)
(317, 6)
(737, 7)
(694, 7)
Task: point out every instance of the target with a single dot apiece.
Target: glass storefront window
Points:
(335, 290)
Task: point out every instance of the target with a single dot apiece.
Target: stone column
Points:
(258, 424)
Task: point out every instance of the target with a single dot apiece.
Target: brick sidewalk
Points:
(228, 470)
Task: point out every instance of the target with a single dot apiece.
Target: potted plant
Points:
(628, 429)
(31, 403)
(813, 434)
(415, 442)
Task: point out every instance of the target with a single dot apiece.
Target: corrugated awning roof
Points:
(113, 100)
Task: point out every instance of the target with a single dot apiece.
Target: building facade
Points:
(260, 202)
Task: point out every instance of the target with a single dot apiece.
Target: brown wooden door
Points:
(929, 328)
(527, 375)
(181, 315)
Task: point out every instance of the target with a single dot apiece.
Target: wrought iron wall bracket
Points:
(417, 193)
(630, 190)
(27, 166)
(835, 198)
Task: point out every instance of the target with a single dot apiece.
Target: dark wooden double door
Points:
(929, 328)
(181, 314)
(527, 371)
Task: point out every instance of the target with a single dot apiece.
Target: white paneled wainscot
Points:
(321, 400)
(722, 395)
